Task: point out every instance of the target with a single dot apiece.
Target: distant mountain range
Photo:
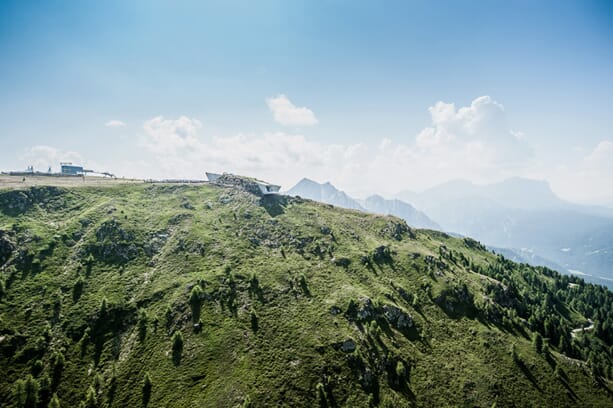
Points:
(521, 218)
(406, 211)
(327, 193)
(527, 217)
(324, 193)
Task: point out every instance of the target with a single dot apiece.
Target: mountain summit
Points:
(514, 193)
(327, 193)
(406, 211)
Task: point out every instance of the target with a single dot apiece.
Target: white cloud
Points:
(472, 142)
(476, 132)
(114, 123)
(168, 136)
(600, 160)
(179, 151)
(287, 114)
(590, 179)
(42, 157)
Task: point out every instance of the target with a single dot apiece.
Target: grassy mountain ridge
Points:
(173, 295)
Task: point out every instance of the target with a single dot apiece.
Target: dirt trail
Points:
(574, 332)
(18, 182)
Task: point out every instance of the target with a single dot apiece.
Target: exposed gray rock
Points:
(113, 243)
(397, 229)
(397, 318)
(155, 244)
(112, 230)
(348, 346)
(342, 261)
(366, 309)
(243, 183)
(186, 204)
(382, 254)
(15, 202)
(85, 222)
(6, 247)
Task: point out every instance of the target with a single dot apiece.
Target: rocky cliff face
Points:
(7, 246)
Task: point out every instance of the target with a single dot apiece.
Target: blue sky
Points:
(195, 86)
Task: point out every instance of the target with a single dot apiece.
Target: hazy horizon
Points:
(370, 98)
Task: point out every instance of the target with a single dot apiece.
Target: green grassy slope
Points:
(279, 302)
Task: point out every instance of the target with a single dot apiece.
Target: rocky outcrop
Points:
(346, 346)
(342, 262)
(364, 310)
(155, 243)
(15, 202)
(456, 300)
(243, 183)
(113, 243)
(382, 254)
(112, 231)
(6, 247)
(397, 229)
(397, 318)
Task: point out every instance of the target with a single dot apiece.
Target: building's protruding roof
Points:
(212, 176)
(249, 184)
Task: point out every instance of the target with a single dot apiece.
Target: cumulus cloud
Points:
(180, 151)
(114, 123)
(476, 132)
(42, 157)
(170, 136)
(288, 114)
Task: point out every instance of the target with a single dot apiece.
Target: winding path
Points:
(574, 332)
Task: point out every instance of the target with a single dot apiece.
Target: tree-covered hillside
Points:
(211, 295)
